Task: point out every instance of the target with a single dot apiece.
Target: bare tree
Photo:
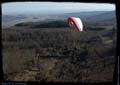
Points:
(38, 51)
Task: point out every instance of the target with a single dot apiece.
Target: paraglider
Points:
(75, 22)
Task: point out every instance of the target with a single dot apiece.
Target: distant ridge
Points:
(95, 16)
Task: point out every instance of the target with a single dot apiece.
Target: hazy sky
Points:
(54, 7)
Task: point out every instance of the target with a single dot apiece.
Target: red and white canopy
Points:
(76, 22)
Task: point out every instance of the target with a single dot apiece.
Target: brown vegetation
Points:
(58, 55)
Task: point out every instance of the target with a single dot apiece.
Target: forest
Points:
(52, 52)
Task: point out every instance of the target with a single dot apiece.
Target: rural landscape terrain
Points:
(44, 48)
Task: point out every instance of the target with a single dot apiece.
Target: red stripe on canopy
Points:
(70, 19)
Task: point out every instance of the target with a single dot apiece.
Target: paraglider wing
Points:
(76, 22)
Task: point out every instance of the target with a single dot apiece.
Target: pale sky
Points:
(54, 7)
